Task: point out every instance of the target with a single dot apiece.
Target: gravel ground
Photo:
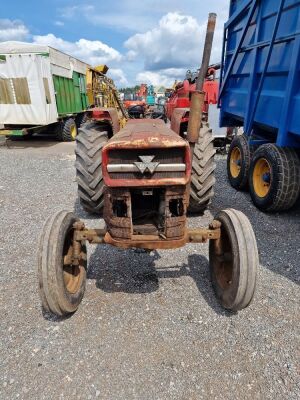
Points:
(149, 326)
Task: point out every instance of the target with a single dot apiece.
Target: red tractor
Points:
(142, 91)
(135, 105)
(177, 110)
(142, 180)
(181, 96)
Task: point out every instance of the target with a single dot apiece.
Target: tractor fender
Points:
(109, 115)
(179, 115)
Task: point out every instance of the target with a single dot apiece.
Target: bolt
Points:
(215, 224)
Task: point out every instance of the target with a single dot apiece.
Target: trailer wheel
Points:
(234, 260)
(61, 284)
(274, 178)
(91, 139)
(238, 162)
(203, 167)
(67, 130)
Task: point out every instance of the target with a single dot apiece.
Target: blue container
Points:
(150, 100)
(260, 78)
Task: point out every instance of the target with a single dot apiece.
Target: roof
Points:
(57, 57)
(14, 47)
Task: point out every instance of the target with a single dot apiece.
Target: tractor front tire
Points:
(203, 167)
(274, 178)
(90, 141)
(61, 285)
(234, 261)
(67, 130)
(238, 162)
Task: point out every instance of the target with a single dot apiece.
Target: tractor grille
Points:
(162, 156)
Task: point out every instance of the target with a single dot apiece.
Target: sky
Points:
(149, 41)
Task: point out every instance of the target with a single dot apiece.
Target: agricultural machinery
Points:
(135, 105)
(260, 92)
(150, 99)
(140, 179)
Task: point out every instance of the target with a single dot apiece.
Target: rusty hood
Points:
(149, 133)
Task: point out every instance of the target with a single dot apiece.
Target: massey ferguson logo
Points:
(146, 164)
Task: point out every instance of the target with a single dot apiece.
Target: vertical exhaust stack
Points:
(197, 101)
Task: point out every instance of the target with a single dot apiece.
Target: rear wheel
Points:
(238, 162)
(61, 283)
(274, 178)
(81, 119)
(203, 167)
(90, 141)
(67, 130)
(234, 260)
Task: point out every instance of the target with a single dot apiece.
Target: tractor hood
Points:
(150, 133)
(146, 153)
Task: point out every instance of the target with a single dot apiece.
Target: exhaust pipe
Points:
(198, 97)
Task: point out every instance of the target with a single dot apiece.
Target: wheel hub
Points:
(262, 177)
(73, 131)
(235, 162)
(71, 271)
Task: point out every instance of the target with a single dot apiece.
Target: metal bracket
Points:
(102, 236)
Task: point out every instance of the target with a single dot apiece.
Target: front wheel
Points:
(61, 280)
(234, 261)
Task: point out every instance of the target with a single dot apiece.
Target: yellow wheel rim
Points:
(235, 162)
(262, 177)
(73, 131)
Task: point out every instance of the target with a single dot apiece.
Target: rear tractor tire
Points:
(234, 261)
(203, 167)
(67, 130)
(81, 119)
(238, 162)
(274, 178)
(61, 284)
(90, 141)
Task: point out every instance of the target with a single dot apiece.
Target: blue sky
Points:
(152, 41)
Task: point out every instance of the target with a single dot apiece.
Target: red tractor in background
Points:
(177, 108)
(143, 91)
(135, 105)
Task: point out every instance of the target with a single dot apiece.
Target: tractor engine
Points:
(146, 170)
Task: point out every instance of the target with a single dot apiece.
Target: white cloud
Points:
(76, 11)
(163, 77)
(59, 23)
(177, 42)
(12, 30)
(127, 15)
(139, 16)
(92, 52)
(118, 76)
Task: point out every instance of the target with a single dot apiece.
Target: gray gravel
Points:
(149, 326)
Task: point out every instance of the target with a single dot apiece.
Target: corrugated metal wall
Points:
(70, 93)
